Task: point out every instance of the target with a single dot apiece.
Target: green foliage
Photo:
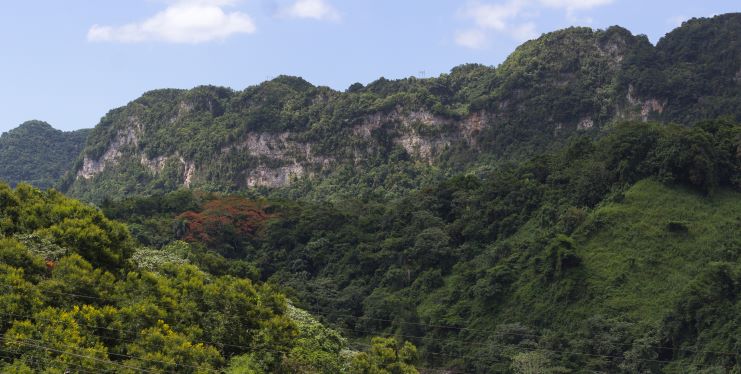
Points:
(48, 217)
(151, 259)
(612, 250)
(87, 306)
(706, 317)
(386, 356)
(105, 246)
(150, 219)
(36, 153)
(382, 140)
(160, 349)
(318, 349)
(14, 253)
(537, 247)
(702, 60)
(60, 337)
(533, 362)
(19, 296)
(565, 75)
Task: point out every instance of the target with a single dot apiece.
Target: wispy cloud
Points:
(515, 18)
(474, 39)
(182, 21)
(493, 16)
(574, 5)
(504, 17)
(311, 9)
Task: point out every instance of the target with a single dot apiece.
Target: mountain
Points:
(36, 153)
(701, 69)
(289, 133)
(575, 209)
(619, 254)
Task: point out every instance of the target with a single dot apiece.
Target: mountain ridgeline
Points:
(287, 132)
(36, 153)
(576, 209)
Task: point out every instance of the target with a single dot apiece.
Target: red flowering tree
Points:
(224, 223)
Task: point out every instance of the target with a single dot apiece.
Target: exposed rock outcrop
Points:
(127, 138)
(647, 107)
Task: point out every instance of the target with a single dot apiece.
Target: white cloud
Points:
(574, 5)
(500, 17)
(313, 9)
(183, 21)
(493, 16)
(515, 18)
(474, 39)
(218, 3)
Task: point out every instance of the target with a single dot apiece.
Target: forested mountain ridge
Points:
(36, 153)
(575, 210)
(287, 130)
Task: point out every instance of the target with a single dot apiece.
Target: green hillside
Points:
(79, 294)
(576, 209)
(36, 153)
(389, 137)
(642, 253)
(633, 292)
(535, 261)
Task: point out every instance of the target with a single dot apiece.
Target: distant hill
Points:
(36, 153)
(288, 133)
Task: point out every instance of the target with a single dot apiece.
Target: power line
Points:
(495, 332)
(171, 309)
(45, 360)
(112, 338)
(113, 302)
(377, 332)
(117, 339)
(245, 348)
(529, 349)
(392, 321)
(50, 349)
(133, 341)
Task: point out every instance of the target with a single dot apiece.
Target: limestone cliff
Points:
(286, 129)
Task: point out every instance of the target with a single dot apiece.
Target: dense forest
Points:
(383, 139)
(36, 153)
(608, 255)
(79, 294)
(576, 209)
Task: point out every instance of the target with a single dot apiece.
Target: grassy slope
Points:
(634, 265)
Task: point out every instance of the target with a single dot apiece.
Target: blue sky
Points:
(69, 62)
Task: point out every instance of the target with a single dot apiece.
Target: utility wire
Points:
(33, 344)
(402, 322)
(437, 326)
(60, 364)
(133, 341)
